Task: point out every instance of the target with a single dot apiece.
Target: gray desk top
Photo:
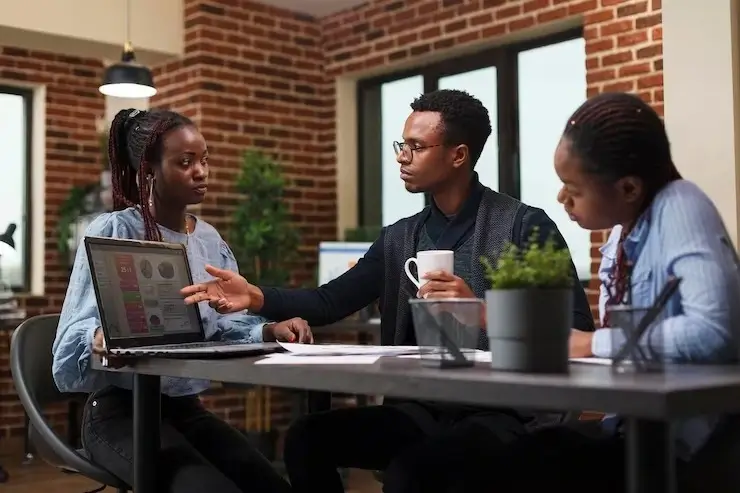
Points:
(679, 392)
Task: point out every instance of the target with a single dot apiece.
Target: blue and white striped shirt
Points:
(681, 235)
(79, 318)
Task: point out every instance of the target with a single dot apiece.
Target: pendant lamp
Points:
(128, 79)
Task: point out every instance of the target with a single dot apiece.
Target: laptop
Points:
(137, 285)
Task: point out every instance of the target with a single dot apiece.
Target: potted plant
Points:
(83, 202)
(261, 235)
(265, 243)
(529, 308)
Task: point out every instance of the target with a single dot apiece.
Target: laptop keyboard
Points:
(196, 345)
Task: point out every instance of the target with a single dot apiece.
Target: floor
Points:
(37, 476)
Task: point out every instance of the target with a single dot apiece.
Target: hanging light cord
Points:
(128, 48)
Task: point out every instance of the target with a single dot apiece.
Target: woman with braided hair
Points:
(615, 163)
(159, 164)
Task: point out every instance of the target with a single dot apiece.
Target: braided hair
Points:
(617, 135)
(134, 146)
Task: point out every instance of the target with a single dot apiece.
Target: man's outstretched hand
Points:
(227, 293)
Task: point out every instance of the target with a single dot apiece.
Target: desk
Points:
(646, 400)
(367, 333)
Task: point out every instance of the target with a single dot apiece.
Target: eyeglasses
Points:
(405, 151)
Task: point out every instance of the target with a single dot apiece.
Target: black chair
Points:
(30, 364)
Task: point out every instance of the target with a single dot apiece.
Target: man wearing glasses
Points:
(419, 445)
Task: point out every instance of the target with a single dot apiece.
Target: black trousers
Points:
(199, 452)
(577, 458)
(418, 448)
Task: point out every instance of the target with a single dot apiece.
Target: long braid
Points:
(619, 135)
(134, 147)
(123, 178)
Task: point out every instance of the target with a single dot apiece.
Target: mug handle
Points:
(408, 271)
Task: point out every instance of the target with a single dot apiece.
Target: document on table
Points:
(347, 349)
(295, 359)
(333, 354)
(592, 361)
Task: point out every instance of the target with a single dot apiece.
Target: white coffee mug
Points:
(428, 261)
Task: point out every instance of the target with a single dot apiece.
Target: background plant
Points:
(545, 266)
(262, 237)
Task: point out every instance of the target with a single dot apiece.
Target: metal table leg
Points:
(147, 419)
(651, 463)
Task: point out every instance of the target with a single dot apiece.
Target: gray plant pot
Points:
(528, 329)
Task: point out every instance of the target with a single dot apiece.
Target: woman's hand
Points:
(580, 344)
(98, 349)
(227, 293)
(293, 330)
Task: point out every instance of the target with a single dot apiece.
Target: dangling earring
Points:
(150, 183)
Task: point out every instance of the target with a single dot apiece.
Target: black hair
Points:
(464, 118)
(135, 140)
(618, 135)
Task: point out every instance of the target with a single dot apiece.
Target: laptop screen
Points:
(138, 289)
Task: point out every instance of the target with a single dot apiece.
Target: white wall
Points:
(700, 67)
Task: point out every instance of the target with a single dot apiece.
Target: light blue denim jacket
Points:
(682, 235)
(79, 317)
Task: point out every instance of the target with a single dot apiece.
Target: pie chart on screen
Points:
(146, 268)
(166, 270)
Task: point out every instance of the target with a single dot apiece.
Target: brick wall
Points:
(72, 158)
(255, 76)
(252, 76)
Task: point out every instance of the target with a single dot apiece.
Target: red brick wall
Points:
(255, 76)
(72, 158)
(252, 77)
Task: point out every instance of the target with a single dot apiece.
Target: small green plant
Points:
(70, 210)
(536, 266)
(262, 237)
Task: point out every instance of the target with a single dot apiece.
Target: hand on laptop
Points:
(98, 348)
(227, 293)
(293, 330)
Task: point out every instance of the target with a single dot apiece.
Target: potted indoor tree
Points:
(265, 244)
(529, 308)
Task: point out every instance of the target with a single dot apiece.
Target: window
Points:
(15, 187)
(529, 90)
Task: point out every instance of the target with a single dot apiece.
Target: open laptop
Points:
(142, 313)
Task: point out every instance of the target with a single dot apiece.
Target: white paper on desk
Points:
(592, 361)
(293, 359)
(346, 349)
(477, 356)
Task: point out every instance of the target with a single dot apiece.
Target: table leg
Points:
(319, 401)
(73, 425)
(147, 419)
(651, 462)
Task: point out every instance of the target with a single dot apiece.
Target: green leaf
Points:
(261, 235)
(535, 266)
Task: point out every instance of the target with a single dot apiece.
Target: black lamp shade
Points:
(128, 80)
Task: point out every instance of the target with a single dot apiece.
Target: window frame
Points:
(28, 96)
(505, 59)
